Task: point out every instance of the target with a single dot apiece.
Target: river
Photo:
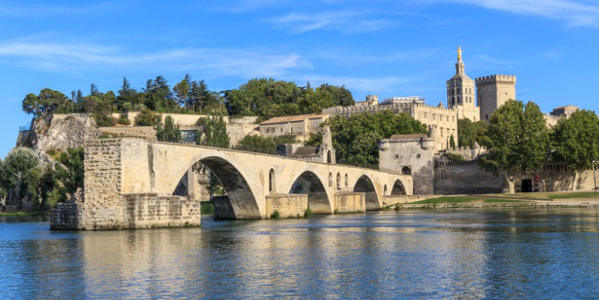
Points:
(502, 253)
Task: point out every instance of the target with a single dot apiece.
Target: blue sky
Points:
(383, 47)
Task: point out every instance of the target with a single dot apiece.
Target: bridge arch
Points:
(398, 188)
(309, 183)
(365, 185)
(241, 196)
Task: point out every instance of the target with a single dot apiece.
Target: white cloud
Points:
(350, 21)
(65, 57)
(574, 13)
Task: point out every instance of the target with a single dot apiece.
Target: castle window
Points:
(396, 156)
(418, 155)
(406, 171)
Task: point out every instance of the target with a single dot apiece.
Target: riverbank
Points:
(23, 214)
(544, 199)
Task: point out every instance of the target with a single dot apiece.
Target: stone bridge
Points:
(128, 180)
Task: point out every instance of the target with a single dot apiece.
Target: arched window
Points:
(385, 190)
(329, 157)
(271, 180)
(338, 181)
(346, 180)
(406, 170)
(330, 179)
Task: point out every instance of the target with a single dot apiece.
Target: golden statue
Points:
(459, 53)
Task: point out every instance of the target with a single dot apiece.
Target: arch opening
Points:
(365, 185)
(406, 171)
(329, 160)
(237, 200)
(271, 180)
(308, 183)
(398, 188)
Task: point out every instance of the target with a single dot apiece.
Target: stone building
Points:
(410, 154)
(300, 126)
(493, 91)
(324, 153)
(442, 122)
(460, 92)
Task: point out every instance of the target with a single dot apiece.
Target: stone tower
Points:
(493, 91)
(460, 92)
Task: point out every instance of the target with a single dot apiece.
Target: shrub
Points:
(275, 214)
(307, 213)
(147, 117)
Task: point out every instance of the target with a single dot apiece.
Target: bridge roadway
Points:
(248, 177)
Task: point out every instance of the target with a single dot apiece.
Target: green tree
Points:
(214, 133)
(147, 117)
(355, 138)
(255, 143)
(21, 172)
(452, 142)
(169, 132)
(517, 141)
(470, 132)
(575, 141)
(45, 103)
(182, 90)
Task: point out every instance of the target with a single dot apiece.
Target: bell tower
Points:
(461, 93)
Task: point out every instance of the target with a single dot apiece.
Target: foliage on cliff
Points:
(355, 138)
(267, 98)
(263, 97)
(28, 184)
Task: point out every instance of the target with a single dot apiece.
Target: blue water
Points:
(533, 253)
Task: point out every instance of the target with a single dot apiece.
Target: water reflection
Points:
(426, 254)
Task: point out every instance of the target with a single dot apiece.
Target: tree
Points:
(182, 90)
(340, 95)
(575, 141)
(169, 132)
(356, 137)
(256, 143)
(470, 132)
(517, 141)
(452, 142)
(21, 172)
(45, 103)
(147, 117)
(127, 99)
(214, 133)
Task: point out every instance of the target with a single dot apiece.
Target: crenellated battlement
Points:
(496, 78)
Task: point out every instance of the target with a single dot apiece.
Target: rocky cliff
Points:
(58, 132)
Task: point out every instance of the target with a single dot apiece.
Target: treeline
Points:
(28, 184)
(264, 98)
(519, 141)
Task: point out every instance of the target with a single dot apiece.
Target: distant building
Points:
(493, 91)
(410, 154)
(300, 126)
(460, 93)
(565, 111)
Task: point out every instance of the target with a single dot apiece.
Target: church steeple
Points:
(459, 66)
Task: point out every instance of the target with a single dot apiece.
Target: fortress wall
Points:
(466, 178)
